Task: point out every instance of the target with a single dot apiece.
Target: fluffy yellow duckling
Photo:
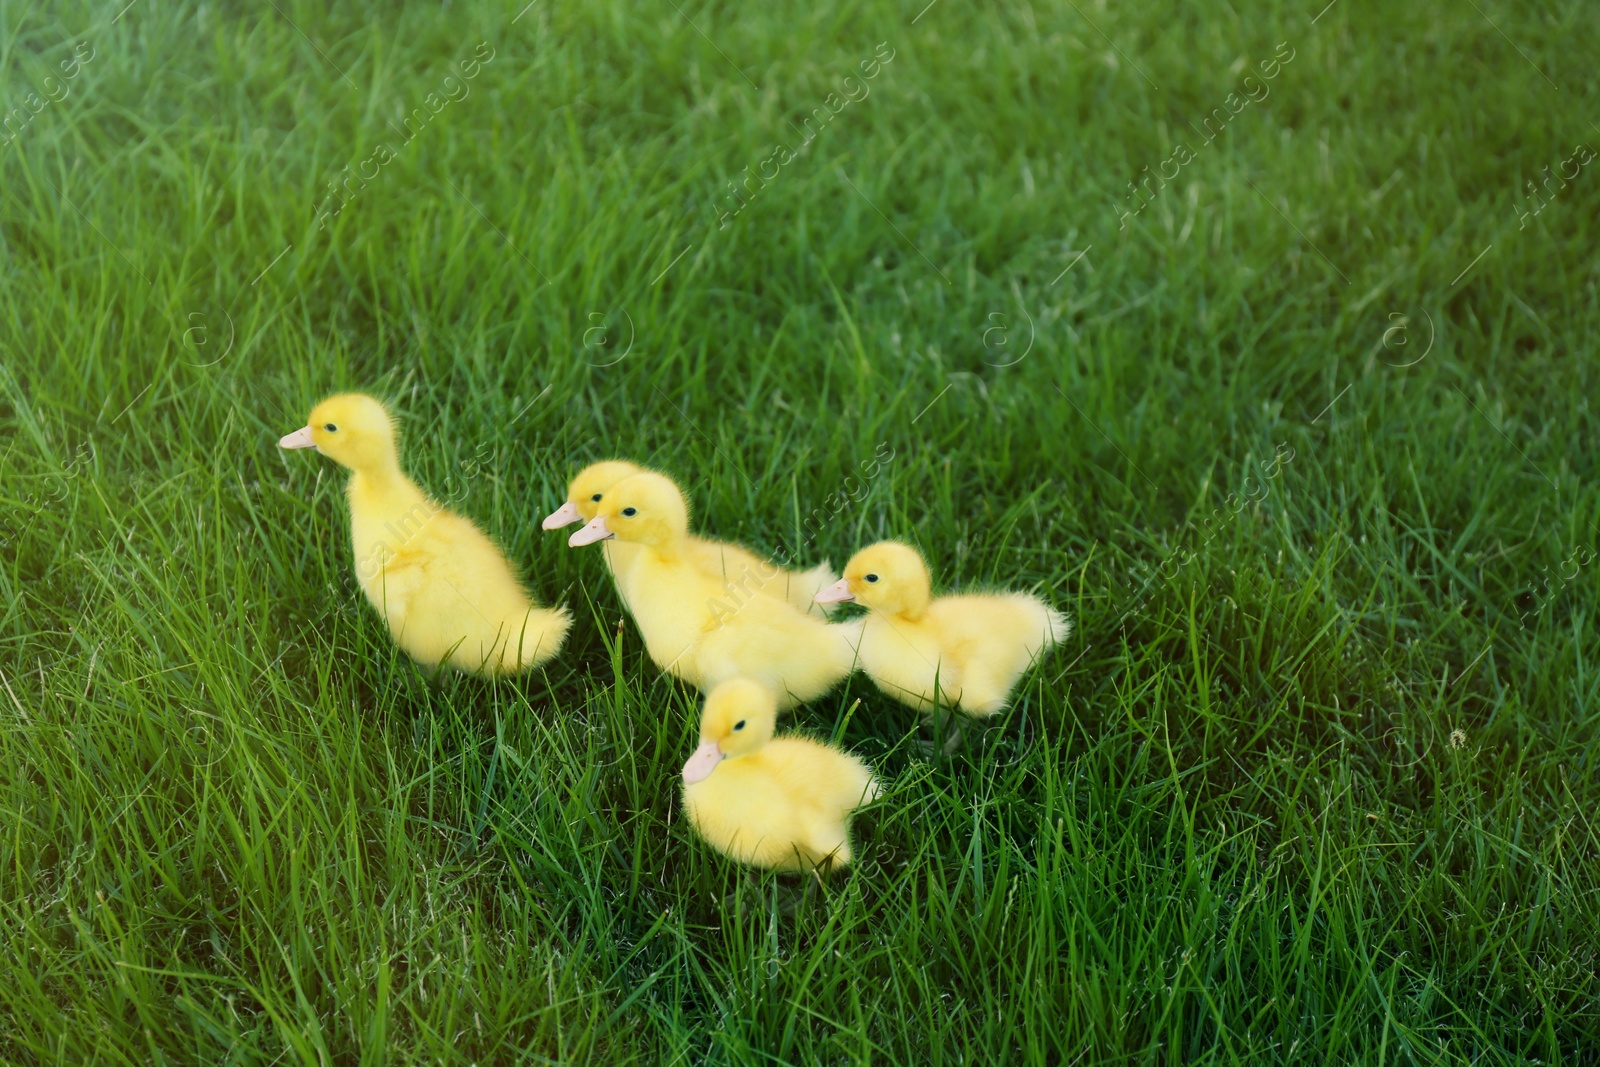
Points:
(978, 645)
(444, 588)
(586, 490)
(696, 626)
(584, 493)
(733, 564)
(783, 803)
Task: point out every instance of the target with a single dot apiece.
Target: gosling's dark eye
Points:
(595, 498)
(330, 427)
(739, 725)
(630, 512)
(872, 577)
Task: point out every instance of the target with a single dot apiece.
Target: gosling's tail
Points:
(1056, 629)
(528, 639)
(873, 789)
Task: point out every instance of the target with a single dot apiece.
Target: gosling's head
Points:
(646, 509)
(889, 576)
(738, 719)
(588, 488)
(351, 429)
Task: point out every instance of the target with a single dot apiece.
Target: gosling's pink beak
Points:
(565, 515)
(835, 593)
(702, 763)
(301, 438)
(595, 531)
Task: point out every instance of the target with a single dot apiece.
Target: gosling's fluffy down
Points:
(782, 803)
(446, 591)
(697, 627)
(975, 646)
(734, 565)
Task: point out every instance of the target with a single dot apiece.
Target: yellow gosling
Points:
(735, 565)
(695, 626)
(977, 645)
(446, 591)
(782, 803)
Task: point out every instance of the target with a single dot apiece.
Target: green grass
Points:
(1314, 780)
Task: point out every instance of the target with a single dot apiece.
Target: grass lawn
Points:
(1297, 429)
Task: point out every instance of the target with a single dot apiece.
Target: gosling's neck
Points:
(383, 485)
(668, 550)
(908, 614)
